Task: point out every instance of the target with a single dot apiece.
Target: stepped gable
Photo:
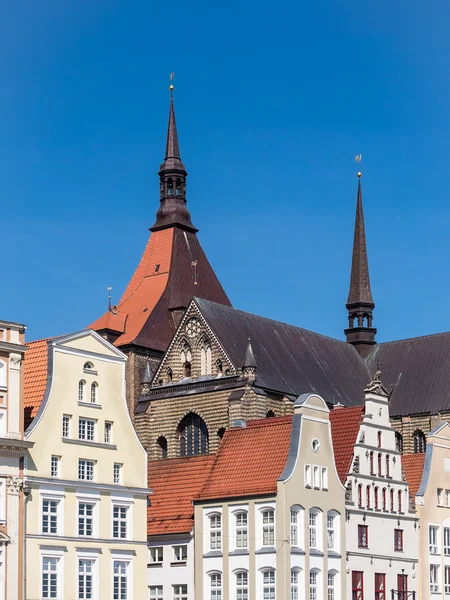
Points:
(35, 378)
(175, 482)
(249, 460)
(415, 373)
(345, 424)
(290, 360)
(413, 466)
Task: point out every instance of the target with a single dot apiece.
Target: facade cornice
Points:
(369, 554)
(12, 347)
(37, 481)
(384, 514)
(66, 538)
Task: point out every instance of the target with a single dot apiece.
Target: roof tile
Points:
(35, 377)
(345, 424)
(413, 466)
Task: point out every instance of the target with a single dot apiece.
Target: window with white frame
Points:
(447, 579)
(66, 426)
(268, 584)
(433, 531)
(241, 529)
(86, 469)
(117, 473)
(314, 529)
(447, 541)
(120, 521)
(215, 586)
(120, 580)
(331, 585)
(324, 478)
(331, 533)
(54, 467)
(86, 519)
(156, 554)
(2, 374)
(440, 496)
(268, 526)
(307, 475)
(86, 429)
(156, 592)
(81, 385)
(316, 476)
(242, 585)
(447, 497)
(180, 592)
(434, 578)
(50, 514)
(2, 499)
(108, 432)
(85, 578)
(215, 532)
(51, 578)
(294, 527)
(294, 584)
(313, 585)
(2, 423)
(94, 392)
(180, 553)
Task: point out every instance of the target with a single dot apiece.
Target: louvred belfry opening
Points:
(172, 269)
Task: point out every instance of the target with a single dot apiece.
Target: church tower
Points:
(360, 303)
(172, 270)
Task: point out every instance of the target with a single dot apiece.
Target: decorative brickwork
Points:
(409, 424)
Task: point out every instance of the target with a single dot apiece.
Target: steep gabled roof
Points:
(413, 466)
(175, 482)
(35, 377)
(345, 424)
(249, 460)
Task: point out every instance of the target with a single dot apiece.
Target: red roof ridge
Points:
(266, 422)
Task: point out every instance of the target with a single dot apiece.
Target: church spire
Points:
(360, 303)
(172, 177)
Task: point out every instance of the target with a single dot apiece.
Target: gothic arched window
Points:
(205, 358)
(186, 358)
(398, 441)
(81, 390)
(193, 435)
(162, 443)
(419, 441)
(169, 375)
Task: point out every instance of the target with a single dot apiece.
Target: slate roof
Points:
(175, 482)
(249, 460)
(345, 424)
(413, 466)
(35, 377)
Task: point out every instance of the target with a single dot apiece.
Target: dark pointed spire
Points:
(360, 303)
(172, 177)
(147, 377)
(249, 364)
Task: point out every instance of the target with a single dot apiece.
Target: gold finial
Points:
(358, 159)
(171, 87)
(359, 174)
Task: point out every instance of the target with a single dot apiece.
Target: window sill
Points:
(89, 404)
(296, 550)
(334, 554)
(3, 388)
(398, 550)
(154, 565)
(90, 371)
(178, 563)
(266, 550)
(315, 552)
(363, 547)
(89, 443)
(239, 552)
(217, 553)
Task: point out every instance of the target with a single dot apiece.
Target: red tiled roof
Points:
(249, 460)
(35, 377)
(345, 424)
(413, 466)
(175, 482)
(144, 290)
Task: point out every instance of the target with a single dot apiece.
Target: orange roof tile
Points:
(35, 377)
(345, 424)
(250, 460)
(413, 466)
(144, 290)
(175, 482)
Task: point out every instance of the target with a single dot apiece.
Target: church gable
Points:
(195, 352)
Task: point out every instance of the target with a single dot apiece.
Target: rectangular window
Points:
(242, 586)
(398, 540)
(268, 519)
(66, 426)
(180, 592)
(86, 429)
(241, 530)
(156, 592)
(55, 466)
(86, 470)
(215, 532)
(316, 476)
(294, 528)
(308, 475)
(357, 585)
(324, 478)
(50, 517)
(117, 472)
(85, 519)
(330, 532)
(363, 536)
(120, 521)
(447, 497)
(380, 586)
(269, 585)
(156, 554)
(50, 577)
(313, 530)
(447, 579)
(434, 578)
(313, 585)
(402, 587)
(446, 541)
(440, 496)
(331, 586)
(433, 539)
(108, 432)
(215, 584)
(85, 579)
(120, 580)
(180, 553)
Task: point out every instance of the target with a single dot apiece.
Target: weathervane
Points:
(358, 159)
(171, 87)
(109, 298)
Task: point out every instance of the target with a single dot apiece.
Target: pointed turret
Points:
(360, 304)
(249, 364)
(147, 377)
(172, 177)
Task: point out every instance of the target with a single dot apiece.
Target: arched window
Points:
(400, 501)
(268, 576)
(398, 441)
(384, 499)
(162, 443)
(379, 439)
(241, 529)
(333, 539)
(81, 385)
(368, 496)
(242, 585)
(219, 367)
(332, 595)
(380, 465)
(392, 500)
(215, 531)
(360, 502)
(205, 358)
(376, 498)
(372, 472)
(419, 441)
(169, 187)
(2, 374)
(169, 375)
(270, 414)
(314, 584)
(315, 528)
(193, 435)
(388, 471)
(295, 575)
(297, 525)
(94, 392)
(215, 585)
(178, 188)
(88, 366)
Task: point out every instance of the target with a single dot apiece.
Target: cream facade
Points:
(381, 528)
(86, 479)
(12, 450)
(433, 508)
(286, 545)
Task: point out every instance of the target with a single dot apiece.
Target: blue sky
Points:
(273, 102)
